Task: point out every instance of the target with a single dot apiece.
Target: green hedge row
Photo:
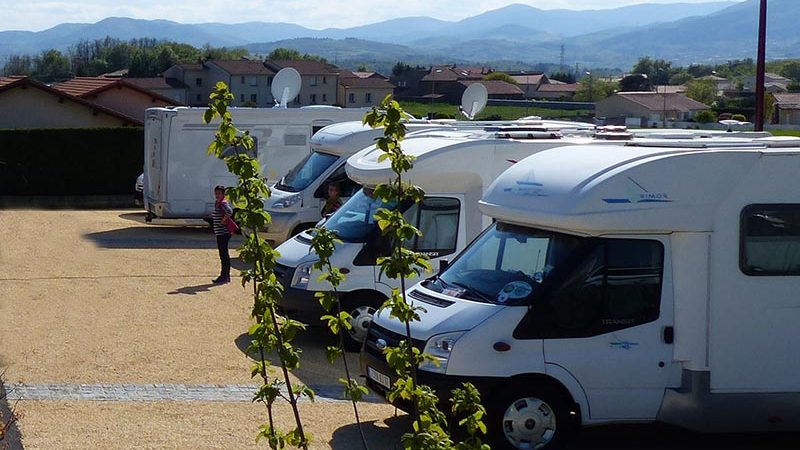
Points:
(85, 161)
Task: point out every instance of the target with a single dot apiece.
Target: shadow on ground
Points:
(158, 237)
(193, 290)
(380, 434)
(665, 437)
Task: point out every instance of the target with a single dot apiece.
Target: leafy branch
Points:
(339, 322)
(429, 429)
(270, 333)
(6, 422)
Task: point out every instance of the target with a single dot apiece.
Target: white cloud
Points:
(37, 15)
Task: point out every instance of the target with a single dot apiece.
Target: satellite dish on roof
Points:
(731, 123)
(285, 86)
(474, 100)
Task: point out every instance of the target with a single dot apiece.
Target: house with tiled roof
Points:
(167, 87)
(116, 94)
(250, 81)
(196, 79)
(357, 89)
(649, 108)
(529, 82)
(556, 90)
(36, 105)
(497, 89)
(787, 108)
(320, 81)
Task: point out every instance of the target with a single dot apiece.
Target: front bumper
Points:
(281, 226)
(372, 357)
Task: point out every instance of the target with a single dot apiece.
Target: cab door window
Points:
(615, 284)
(437, 218)
(347, 187)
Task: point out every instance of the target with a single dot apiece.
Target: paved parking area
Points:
(113, 337)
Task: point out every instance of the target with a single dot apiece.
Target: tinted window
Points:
(347, 187)
(614, 284)
(306, 171)
(770, 240)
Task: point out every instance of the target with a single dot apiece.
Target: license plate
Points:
(379, 378)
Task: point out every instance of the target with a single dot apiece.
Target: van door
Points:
(609, 321)
(440, 220)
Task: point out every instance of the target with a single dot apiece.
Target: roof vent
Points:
(526, 135)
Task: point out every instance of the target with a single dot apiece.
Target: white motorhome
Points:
(179, 175)
(297, 198)
(453, 167)
(621, 284)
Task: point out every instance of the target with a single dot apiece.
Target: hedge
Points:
(79, 161)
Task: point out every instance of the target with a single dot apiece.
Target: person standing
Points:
(222, 213)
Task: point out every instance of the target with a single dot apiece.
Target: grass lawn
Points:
(785, 132)
(506, 112)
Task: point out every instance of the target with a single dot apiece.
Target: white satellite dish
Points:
(285, 86)
(474, 100)
(731, 123)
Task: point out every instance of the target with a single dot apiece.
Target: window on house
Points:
(198, 81)
(253, 81)
(312, 81)
(243, 79)
(351, 98)
(368, 97)
(313, 98)
(324, 80)
(254, 98)
(324, 97)
(770, 240)
(241, 98)
(401, 84)
(199, 97)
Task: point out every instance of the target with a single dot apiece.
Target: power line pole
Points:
(562, 68)
(760, 63)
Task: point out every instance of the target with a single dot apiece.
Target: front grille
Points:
(392, 340)
(429, 299)
(283, 273)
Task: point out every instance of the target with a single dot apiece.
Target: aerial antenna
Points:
(474, 100)
(285, 86)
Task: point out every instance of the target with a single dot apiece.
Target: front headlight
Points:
(287, 202)
(301, 275)
(439, 347)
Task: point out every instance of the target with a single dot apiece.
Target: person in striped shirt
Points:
(222, 212)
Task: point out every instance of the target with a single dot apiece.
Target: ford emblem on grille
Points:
(381, 344)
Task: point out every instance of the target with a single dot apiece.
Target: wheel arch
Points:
(560, 381)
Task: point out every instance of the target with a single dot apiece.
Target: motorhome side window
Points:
(770, 240)
(437, 219)
(616, 285)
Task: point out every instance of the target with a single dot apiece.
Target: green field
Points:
(505, 112)
(795, 133)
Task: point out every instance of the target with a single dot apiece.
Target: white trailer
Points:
(179, 175)
(622, 284)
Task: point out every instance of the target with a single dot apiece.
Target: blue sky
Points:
(35, 15)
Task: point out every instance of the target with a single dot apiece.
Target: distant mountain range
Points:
(681, 32)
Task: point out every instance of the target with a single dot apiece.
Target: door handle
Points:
(669, 335)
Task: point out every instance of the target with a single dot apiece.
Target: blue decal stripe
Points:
(529, 183)
(616, 200)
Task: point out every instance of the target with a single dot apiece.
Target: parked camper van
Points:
(297, 198)
(179, 175)
(621, 284)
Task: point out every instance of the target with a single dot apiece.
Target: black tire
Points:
(529, 415)
(361, 307)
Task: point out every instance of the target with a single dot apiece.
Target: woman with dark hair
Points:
(222, 213)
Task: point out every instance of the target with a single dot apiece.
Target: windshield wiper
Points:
(474, 292)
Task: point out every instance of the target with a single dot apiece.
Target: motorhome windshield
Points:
(306, 171)
(354, 221)
(506, 264)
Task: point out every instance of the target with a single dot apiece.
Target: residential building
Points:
(116, 94)
(648, 108)
(723, 85)
(36, 105)
(556, 90)
(362, 89)
(407, 84)
(497, 89)
(319, 81)
(250, 81)
(197, 80)
(787, 108)
(530, 82)
(443, 83)
(772, 83)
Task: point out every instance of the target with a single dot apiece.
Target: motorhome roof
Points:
(625, 189)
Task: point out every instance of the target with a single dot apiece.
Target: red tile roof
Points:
(787, 101)
(305, 67)
(8, 83)
(84, 87)
(562, 87)
(156, 83)
(242, 67)
(496, 87)
(529, 79)
(352, 80)
(656, 101)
